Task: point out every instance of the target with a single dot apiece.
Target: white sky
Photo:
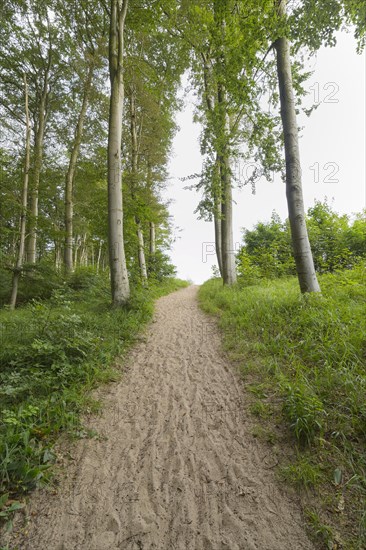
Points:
(334, 137)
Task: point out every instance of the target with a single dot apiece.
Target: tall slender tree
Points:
(300, 240)
(24, 202)
(70, 176)
(40, 119)
(134, 178)
(215, 178)
(117, 260)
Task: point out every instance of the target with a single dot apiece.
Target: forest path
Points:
(175, 466)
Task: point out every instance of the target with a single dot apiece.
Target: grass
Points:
(306, 356)
(302, 473)
(53, 353)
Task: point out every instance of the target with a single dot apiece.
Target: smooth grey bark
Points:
(70, 176)
(38, 161)
(223, 157)
(117, 260)
(218, 236)
(152, 227)
(134, 173)
(216, 187)
(23, 215)
(152, 238)
(84, 251)
(218, 215)
(58, 255)
(299, 234)
(99, 255)
(142, 260)
(227, 240)
(77, 246)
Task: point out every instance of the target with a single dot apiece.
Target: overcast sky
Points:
(332, 150)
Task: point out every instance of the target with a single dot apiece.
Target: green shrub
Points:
(83, 278)
(159, 266)
(336, 243)
(37, 282)
(5, 286)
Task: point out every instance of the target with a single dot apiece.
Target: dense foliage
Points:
(54, 61)
(337, 242)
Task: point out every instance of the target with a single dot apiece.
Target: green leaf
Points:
(3, 500)
(337, 476)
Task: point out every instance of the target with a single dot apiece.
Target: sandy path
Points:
(178, 467)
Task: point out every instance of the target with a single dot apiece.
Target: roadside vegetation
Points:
(303, 358)
(53, 353)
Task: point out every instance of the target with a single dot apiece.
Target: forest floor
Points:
(173, 463)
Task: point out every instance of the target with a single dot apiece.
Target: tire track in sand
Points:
(177, 467)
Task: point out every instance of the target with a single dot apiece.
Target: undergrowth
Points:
(308, 355)
(52, 354)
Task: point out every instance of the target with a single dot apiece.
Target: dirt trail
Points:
(177, 467)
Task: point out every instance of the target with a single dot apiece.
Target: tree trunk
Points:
(152, 238)
(134, 174)
(119, 277)
(38, 161)
(23, 215)
(77, 245)
(218, 236)
(58, 255)
(99, 255)
(227, 240)
(142, 260)
(300, 240)
(69, 186)
(217, 215)
(84, 252)
(216, 186)
(223, 153)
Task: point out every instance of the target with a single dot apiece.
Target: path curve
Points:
(175, 466)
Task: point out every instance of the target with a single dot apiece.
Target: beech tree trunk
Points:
(38, 161)
(70, 176)
(227, 240)
(99, 255)
(77, 246)
(119, 277)
(23, 215)
(299, 234)
(84, 251)
(223, 154)
(217, 215)
(152, 238)
(58, 255)
(142, 260)
(216, 187)
(218, 236)
(134, 173)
